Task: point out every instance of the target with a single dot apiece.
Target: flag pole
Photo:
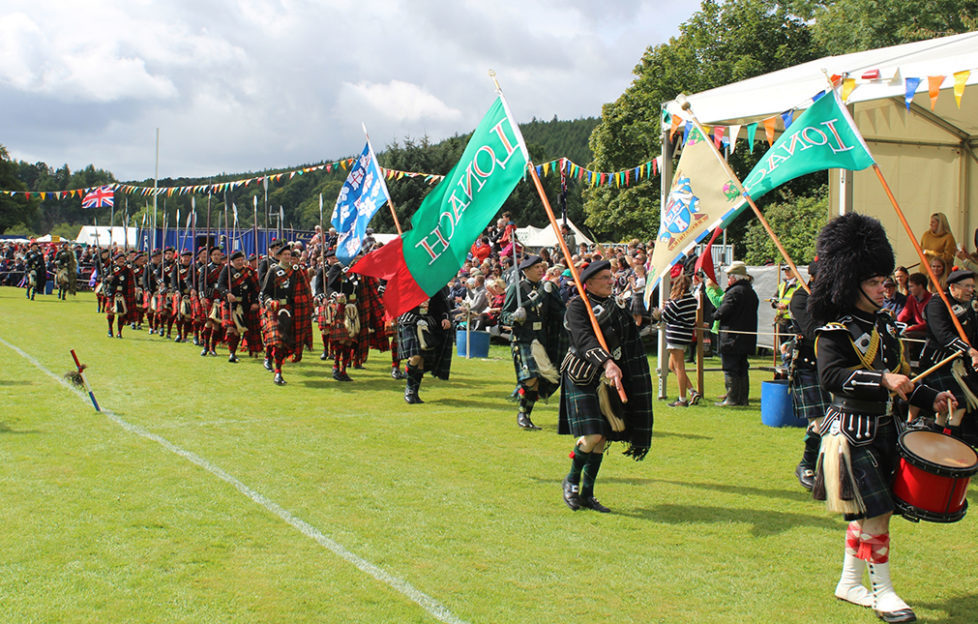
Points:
(740, 187)
(920, 252)
(913, 239)
(567, 255)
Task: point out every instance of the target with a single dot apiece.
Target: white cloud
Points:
(239, 85)
(396, 100)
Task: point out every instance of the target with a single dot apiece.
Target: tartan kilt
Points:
(202, 308)
(942, 379)
(270, 332)
(321, 317)
(579, 407)
(807, 396)
(337, 331)
(175, 305)
(130, 302)
(146, 298)
(162, 307)
(526, 368)
(873, 468)
(437, 358)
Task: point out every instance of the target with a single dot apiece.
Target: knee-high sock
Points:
(233, 340)
(578, 460)
(528, 399)
(120, 322)
(205, 336)
(874, 548)
(110, 319)
(279, 356)
(590, 473)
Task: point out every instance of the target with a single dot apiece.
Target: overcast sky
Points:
(245, 85)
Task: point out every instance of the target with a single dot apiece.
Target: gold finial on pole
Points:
(492, 74)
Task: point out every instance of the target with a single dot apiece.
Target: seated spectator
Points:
(894, 300)
(913, 311)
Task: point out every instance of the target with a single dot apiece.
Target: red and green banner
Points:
(424, 259)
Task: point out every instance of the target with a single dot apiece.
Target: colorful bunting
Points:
(960, 78)
(912, 84)
(934, 88)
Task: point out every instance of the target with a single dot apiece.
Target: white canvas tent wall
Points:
(538, 238)
(928, 157)
(105, 236)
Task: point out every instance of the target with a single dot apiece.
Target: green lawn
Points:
(127, 518)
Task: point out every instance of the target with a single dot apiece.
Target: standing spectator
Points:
(569, 238)
(938, 242)
(737, 314)
(913, 314)
(939, 267)
(637, 285)
(679, 314)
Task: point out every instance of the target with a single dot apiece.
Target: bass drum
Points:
(932, 479)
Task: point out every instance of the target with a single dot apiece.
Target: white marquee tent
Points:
(928, 157)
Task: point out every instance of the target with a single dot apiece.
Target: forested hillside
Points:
(298, 196)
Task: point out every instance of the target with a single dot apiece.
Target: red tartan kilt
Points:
(162, 307)
(269, 326)
(175, 304)
(321, 317)
(227, 321)
(147, 296)
(336, 331)
(202, 309)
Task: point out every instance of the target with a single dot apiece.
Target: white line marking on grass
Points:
(429, 604)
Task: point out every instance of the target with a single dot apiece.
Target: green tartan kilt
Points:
(807, 397)
(438, 356)
(580, 411)
(526, 368)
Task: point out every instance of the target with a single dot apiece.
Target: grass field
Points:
(207, 494)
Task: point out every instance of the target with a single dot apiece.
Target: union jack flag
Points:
(101, 197)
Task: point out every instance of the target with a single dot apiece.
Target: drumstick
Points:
(935, 367)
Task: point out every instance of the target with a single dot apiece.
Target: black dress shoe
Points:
(592, 503)
(196, 341)
(119, 335)
(572, 495)
(525, 423)
(268, 365)
(278, 379)
(324, 356)
(203, 353)
(336, 374)
(233, 359)
(412, 397)
(396, 373)
(806, 476)
(344, 376)
(110, 335)
(358, 367)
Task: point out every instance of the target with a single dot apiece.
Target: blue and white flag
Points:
(362, 195)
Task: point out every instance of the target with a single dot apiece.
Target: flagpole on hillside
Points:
(156, 182)
(563, 247)
(684, 103)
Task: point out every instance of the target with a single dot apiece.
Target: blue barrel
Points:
(478, 343)
(776, 407)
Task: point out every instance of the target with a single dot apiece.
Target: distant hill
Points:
(299, 195)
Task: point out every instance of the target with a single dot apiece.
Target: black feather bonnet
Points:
(850, 249)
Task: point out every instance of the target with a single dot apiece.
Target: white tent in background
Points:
(538, 238)
(105, 236)
(927, 156)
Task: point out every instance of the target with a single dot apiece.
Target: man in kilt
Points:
(37, 270)
(138, 267)
(119, 287)
(808, 398)
(339, 318)
(237, 289)
(590, 407)
(269, 260)
(318, 288)
(287, 315)
(959, 376)
(148, 283)
(207, 279)
(163, 317)
(373, 326)
(67, 271)
(183, 298)
(861, 362)
(103, 264)
(535, 311)
(425, 341)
